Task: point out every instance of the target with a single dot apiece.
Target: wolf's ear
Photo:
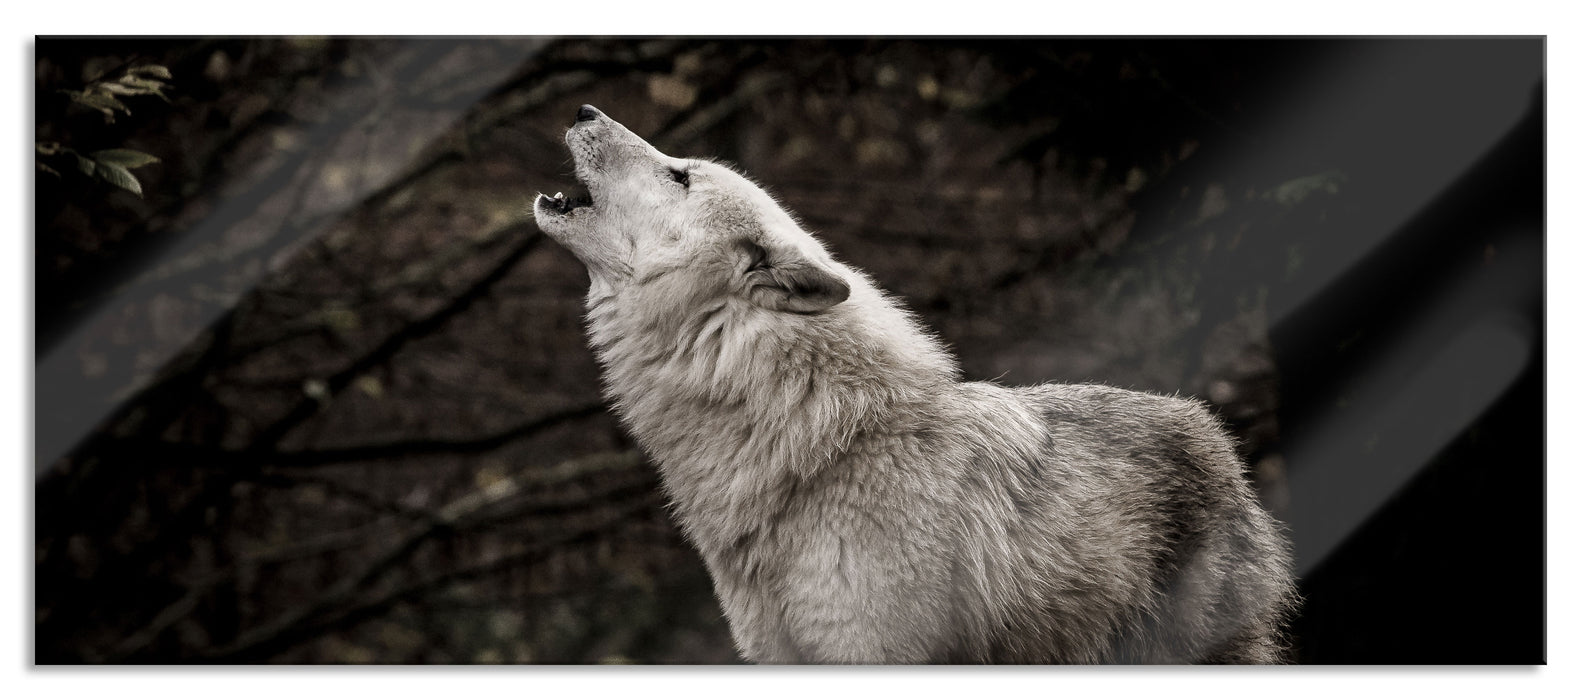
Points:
(786, 281)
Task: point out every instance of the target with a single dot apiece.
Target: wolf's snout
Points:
(587, 113)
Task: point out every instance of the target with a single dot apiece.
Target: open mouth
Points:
(563, 204)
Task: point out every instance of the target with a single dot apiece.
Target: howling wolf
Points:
(853, 499)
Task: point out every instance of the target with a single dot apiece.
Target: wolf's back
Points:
(1160, 477)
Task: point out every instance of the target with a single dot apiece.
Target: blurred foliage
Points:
(1116, 106)
(105, 95)
(111, 165)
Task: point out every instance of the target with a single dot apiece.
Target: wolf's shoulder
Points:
(1134, 427)
(1100, 404)
(1093, 407)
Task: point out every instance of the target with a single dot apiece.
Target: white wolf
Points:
(854, 501)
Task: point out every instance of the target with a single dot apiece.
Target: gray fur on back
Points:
(853, 500)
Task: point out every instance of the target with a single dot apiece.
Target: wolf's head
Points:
(648, 215)
(715, 315)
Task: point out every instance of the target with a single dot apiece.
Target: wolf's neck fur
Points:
(735, 403)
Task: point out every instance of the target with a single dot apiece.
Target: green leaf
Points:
(157, 71)
(94, 97)
(138, 81)
(116, 89)
(100, 101)
(124, 157)
(133, 85)
(122, 89)
(86, 166)
(120, 177)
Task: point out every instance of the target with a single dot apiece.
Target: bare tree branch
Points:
(343, 611)
(339, 606)
(217, 486)
(397, 449)
(307, 406)
(474, 510)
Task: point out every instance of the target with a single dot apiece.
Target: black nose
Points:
(587, 113)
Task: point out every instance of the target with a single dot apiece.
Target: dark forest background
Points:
(312, 388)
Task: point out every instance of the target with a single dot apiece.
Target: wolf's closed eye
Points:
(681, 176)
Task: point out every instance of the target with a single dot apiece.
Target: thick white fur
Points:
(854, 501)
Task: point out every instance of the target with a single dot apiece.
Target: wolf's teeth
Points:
(558, 195)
